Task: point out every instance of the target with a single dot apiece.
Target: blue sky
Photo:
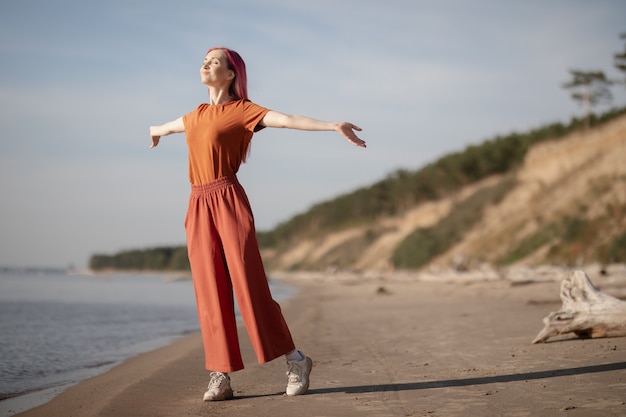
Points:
(80, 82)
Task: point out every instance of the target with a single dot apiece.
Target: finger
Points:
(358, 142)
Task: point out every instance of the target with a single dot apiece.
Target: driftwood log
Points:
(586, 311)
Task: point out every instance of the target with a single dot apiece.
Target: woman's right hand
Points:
(155, 139)
(175, 126)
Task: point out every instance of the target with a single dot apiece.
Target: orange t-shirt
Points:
(218, 136)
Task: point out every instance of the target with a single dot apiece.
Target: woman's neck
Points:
(220, 96)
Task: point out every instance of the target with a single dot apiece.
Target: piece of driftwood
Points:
(586, 311)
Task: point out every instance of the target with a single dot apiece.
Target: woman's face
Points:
(214, 70)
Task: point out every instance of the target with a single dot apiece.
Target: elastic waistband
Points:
(218, 184)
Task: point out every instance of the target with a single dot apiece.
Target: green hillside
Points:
(404, 189)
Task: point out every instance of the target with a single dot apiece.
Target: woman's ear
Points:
(231, 75)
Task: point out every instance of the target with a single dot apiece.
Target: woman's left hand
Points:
(346, 130)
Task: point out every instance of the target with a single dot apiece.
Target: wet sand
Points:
(384, 347)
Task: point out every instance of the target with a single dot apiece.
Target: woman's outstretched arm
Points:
(281, 120)
(175, 126)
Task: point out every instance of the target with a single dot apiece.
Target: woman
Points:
(221, 239)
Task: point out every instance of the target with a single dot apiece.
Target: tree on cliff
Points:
(590, 88)
(620, 59)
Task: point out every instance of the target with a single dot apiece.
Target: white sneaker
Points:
(219, 388)
(298, 376)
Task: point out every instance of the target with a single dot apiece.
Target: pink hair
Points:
(239, 86)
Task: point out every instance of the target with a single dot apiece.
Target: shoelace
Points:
(293, 373)
(216, 380)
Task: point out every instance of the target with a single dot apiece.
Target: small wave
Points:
(99, 364)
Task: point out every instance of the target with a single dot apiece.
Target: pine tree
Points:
(620, 60)
(595, 89)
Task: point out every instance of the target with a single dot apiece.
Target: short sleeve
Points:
(253, 114)
(191, 119)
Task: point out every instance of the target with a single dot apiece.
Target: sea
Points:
(59, 328)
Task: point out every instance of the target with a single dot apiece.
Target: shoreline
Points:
(17, 402)
(23, 401)
(384, 345)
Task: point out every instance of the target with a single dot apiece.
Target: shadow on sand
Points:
(409, 386)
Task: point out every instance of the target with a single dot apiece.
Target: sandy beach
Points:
(394, 346)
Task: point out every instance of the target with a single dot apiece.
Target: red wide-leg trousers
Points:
(224, 257)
